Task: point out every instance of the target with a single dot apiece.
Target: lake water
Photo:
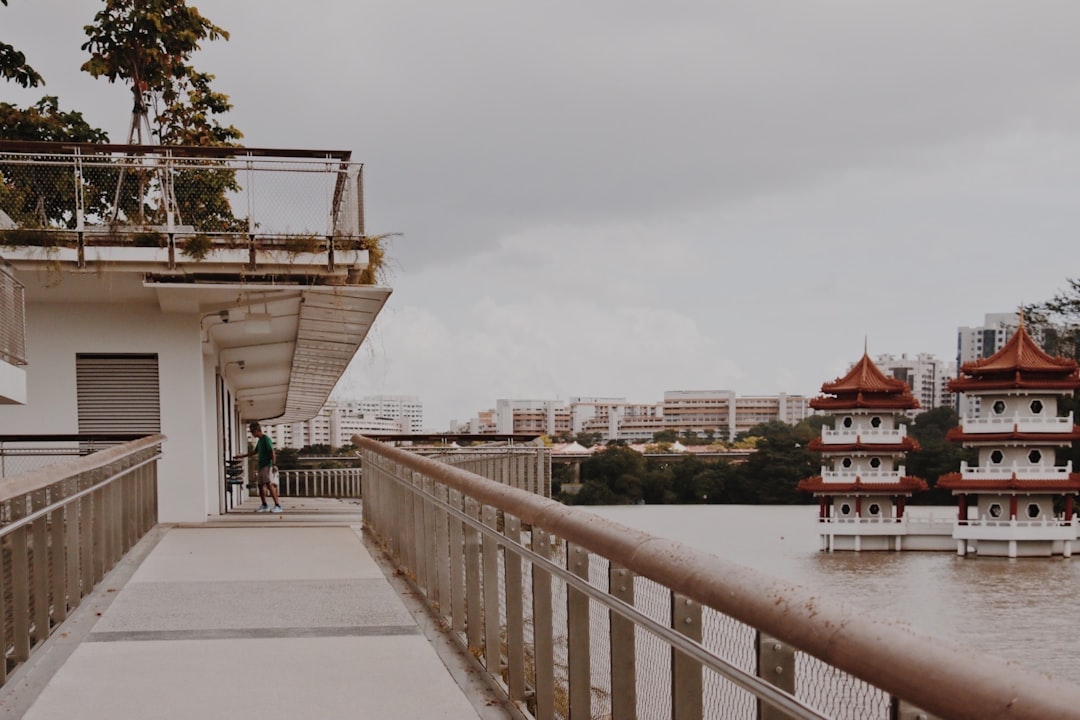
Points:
(1024, 609)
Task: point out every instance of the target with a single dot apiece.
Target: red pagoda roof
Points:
(954, 481)
(865, 386)
(1020, 364)
(907, 444)
(818, 486)
(957, 434)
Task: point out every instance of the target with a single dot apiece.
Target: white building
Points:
(926, 375)
(335, 425)
(405, 410)
(717, 412)
(189, 332)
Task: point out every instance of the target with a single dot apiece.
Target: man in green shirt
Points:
(264, 448)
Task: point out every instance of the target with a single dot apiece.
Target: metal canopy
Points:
(281, 347)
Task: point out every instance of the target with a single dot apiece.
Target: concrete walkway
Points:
(251, 616)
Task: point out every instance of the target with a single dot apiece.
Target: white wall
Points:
(56, 332)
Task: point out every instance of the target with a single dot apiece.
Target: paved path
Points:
(250, 616)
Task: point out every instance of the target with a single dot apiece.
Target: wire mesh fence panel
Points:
(653, 654)
(836, 693)
(733, 642)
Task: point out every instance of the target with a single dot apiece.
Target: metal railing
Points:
(579, 617)
(88, 202)
(124, 188)
(12, 319)
(23, 453)
(326, 483)
(62, 528)
(526, 467)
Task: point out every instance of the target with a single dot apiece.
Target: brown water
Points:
(1024, 609)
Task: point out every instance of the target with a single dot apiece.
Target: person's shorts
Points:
(264, 475)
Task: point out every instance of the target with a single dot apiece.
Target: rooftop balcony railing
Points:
(12, 319)
(575, 616)
(62, 528)
(89, 203)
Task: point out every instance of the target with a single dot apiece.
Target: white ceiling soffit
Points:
(333, 322)
(282, 367)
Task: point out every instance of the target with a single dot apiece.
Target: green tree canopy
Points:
(14, 68)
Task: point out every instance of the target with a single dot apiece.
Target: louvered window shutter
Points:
(118, 394)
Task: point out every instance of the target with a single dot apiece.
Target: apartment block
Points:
(927, 375)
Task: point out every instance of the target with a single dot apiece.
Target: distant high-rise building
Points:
(395, 407)
(926, 375)
(338, 421)
(717, 413)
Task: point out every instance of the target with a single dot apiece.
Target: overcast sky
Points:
(620, 197)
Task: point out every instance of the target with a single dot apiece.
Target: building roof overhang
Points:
(282, 348)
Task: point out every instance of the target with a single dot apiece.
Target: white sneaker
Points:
(277, 509)
(264, 508)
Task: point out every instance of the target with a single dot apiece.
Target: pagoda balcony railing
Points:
(843, 436)
(866, 476)
(1022, 423)
(864, 520)
(88, 203)
(1006, 471)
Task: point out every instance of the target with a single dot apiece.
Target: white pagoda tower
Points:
(1007, 503)
(862, 486)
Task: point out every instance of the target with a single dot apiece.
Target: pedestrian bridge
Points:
(445, 594)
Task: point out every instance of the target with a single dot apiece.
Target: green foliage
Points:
(36, 199)
(588, 439)
(665, 436)
(771, 474)
(14, 68)
(1055, 323)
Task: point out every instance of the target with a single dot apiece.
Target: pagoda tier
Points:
(1019, 365)
(905, 485)
(1068, 482)
(865, 387)
(906, 444)
(1018, 438)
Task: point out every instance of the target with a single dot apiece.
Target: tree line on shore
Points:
(619, 475)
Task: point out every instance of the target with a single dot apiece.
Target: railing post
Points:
(490, 559)
(900, 710)
(20, 584)
(40, 548)
(515, 612)
(623, 647)
(473, 612)
(578, 641)
(686, 685)
(543, 642)
(431, 550)
(443, 551)
(776, 665)
(457, 564)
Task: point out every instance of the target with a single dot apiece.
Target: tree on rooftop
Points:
(148, 44)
